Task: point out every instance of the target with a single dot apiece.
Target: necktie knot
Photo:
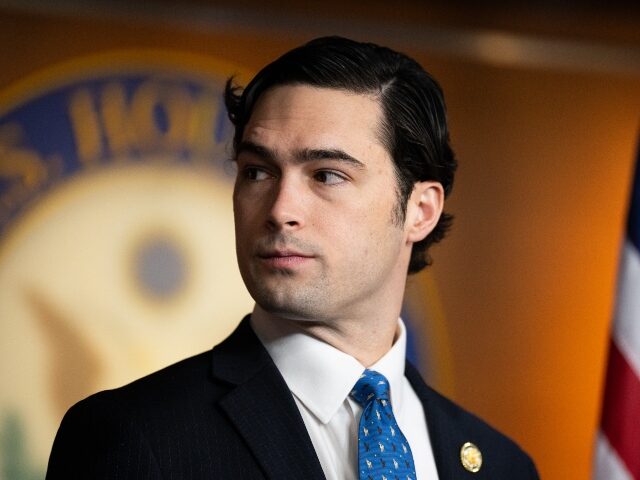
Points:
(371, 385)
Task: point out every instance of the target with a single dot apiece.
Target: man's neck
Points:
(366, 341)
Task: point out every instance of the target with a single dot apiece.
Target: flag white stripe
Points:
(626, 327)
(608, 465)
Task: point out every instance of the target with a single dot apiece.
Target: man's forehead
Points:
(315, 118)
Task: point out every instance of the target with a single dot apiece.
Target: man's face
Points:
(314, 206)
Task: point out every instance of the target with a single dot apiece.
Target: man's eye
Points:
(255, 173)
(328, 177)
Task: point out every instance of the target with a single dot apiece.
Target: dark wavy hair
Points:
(414, 125)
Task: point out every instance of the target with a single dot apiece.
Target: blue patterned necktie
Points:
(383, 451)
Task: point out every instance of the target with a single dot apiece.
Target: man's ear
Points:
(423, 210)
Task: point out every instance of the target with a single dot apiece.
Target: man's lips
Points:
(284, 258)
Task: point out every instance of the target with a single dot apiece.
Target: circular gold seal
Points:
(471, 457)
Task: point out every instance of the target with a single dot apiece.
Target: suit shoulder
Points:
(454, 426)
(469, 422)
(172, 383)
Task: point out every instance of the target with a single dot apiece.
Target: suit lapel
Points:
(445, 438)
(262, 408)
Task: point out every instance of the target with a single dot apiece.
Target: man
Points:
(343, 165)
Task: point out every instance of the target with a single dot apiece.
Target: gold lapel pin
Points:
(471, 457)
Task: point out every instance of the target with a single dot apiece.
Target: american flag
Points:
(617, 451)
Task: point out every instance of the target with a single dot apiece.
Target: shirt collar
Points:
(321, 376)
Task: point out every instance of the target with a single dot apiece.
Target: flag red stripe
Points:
(621, 410)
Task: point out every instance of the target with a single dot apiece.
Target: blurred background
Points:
(116, 231)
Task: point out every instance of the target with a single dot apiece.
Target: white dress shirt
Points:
(320, 378)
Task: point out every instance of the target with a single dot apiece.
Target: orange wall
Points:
(526, 279)
(528, 275)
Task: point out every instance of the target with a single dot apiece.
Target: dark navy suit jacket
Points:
(228, 414)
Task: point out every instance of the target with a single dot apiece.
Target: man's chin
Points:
(287, 310)
(286, 305)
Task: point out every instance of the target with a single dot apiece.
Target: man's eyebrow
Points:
(310, 154)
(247, 146)
(305, 155)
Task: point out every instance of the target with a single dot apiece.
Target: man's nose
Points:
(287, 208)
